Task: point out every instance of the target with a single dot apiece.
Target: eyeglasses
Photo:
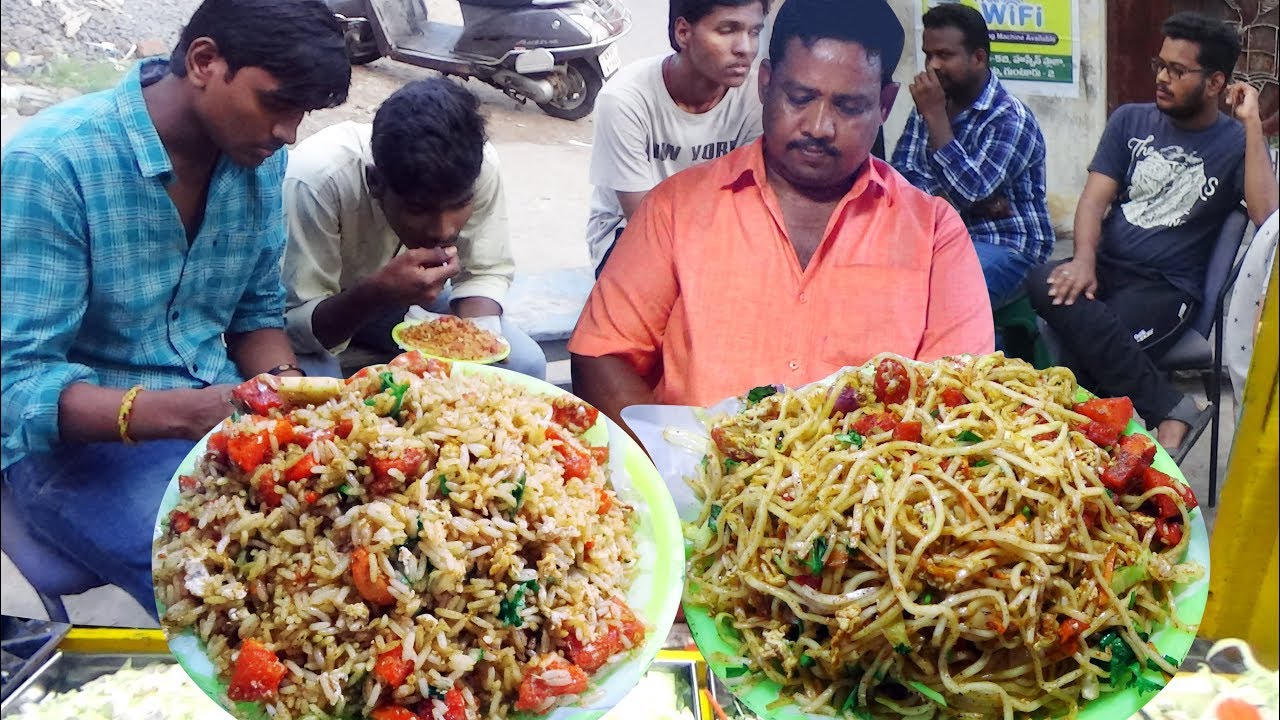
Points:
(1175, 71)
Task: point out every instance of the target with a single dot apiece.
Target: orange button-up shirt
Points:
(705, 298)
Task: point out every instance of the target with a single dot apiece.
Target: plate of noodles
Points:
(448, 337)
(419, 542)
(1027, 570)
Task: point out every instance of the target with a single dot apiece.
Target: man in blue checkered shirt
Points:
(143, 230)
(970, 141)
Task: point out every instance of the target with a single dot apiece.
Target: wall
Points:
(1071, 126)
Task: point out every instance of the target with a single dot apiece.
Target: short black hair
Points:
(870, 23)
(428, 141)
(967, 20)
(1219, 42)
(694, 10)
(299, 42)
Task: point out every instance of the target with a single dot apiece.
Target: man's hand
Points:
(1070, 279)
(930, 99)
(1242, 98)
(416, 277)
(183, 413)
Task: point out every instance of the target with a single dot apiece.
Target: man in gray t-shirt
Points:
(1164, 180)
(661, 115)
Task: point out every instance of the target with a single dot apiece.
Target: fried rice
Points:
(453, 337)
(406, 542)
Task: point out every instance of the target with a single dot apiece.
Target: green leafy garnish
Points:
(926, 599)
(730, 465)
(982, 463)
(705, 459)
(1133, 599)
(1145, 685)
(236, 415)
(968, 437)
(759, 393)
(853, 437)
(715, 513)
(806, 660)
(345, 489)
(444, 486)
(1026, 511)
(1123, 663)
(879, 472)
(509, 608)
(734, 671)
(435, 693)
(928, 692)
(1169, 659)
(518, 493)
(817, 553)
(902, 649)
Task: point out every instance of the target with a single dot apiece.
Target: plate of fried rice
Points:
(419, 542)
(449, 337)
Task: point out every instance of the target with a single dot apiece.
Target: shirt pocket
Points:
(872, 309)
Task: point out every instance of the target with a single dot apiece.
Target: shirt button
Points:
(794, 364)
(175, 314)
(194, 368)
(803, 298)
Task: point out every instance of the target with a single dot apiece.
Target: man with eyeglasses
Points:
(1169, 173)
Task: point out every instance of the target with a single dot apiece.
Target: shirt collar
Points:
(987, 97)
(746, 168)
(153, 159)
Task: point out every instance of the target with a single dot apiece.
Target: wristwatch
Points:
(287, 367)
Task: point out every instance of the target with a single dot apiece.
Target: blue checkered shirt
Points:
(997, 150)
(100, 284)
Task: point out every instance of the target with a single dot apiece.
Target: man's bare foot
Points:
(1170, 433)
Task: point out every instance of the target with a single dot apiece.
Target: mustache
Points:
(821, 146)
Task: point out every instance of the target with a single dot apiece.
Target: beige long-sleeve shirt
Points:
(338, 234)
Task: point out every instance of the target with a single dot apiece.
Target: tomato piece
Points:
(259, 395)
(1168, 532)
(910, 431)
(455, 705)
(421, 365)
(606, 502)
(407, 462)
(304, 468)
(593, 655)
(187, 483)
(573, 414)
(577, 464)
(219, 444)
(249, 450)
(1099, 434)
(306, 437)
(600, 454)
(1112, 412)
(810, 581)
(392, 668)
(180, 522)
(1069, 634)
(952, 397)
(311, 497)
(1233, 708)
(1134, 454)
(269, 493)
(632, 629)
(393, 712)
(1139, 445)
(257, 673)
(878, 423)
(892, 382)
(534, 691)
(344, 428)
(377, 592)
(1091, 515)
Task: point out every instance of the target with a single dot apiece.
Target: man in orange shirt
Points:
(793, 256)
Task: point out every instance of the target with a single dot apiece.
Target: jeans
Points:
(1004, 269)
(97, 503)
(526, 356)
(1112, 343)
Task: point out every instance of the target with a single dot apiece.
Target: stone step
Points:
(546, 305)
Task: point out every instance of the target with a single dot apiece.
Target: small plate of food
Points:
(966, 538)
(419, 542)
(448, 337)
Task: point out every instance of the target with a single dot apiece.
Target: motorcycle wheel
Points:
(584, 82)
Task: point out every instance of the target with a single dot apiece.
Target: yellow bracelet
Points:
(126, 409)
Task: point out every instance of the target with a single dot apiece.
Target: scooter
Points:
(557, 53)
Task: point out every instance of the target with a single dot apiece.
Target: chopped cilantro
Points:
(509, 608)
(715, 513)
(236, 415)
(1026, 511)
(982, 463)
(1169, 659)
(902, 649)
(705, 460)
(926, 599)
(1133, 599)
(759, 393)
(730, 465)
(853, 437)
(816, 555)
(345, 489)
(444, 486)
(806, 660)
(928, 692)
(1145, 685)
(968, 437)
(734, 671)
(518, 493)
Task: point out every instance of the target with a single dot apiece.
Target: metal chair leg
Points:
(54, 608)
(1215, 396)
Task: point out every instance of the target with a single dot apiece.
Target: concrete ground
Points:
(545, 171)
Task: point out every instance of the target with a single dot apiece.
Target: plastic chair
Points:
(1015, 322)
(47, 569)
(1199, 348)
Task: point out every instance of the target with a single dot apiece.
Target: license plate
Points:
(610, 60)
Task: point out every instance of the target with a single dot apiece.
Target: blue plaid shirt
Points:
(100, 284)
(997, 150)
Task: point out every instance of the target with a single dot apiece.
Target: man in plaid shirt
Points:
(970, 141)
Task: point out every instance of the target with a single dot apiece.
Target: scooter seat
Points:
(500, 3)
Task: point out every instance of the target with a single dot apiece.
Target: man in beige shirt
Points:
(406, 211)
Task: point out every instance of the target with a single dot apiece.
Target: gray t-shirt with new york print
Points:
(642, 138)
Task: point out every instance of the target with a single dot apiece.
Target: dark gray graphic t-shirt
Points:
(1176, 189)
